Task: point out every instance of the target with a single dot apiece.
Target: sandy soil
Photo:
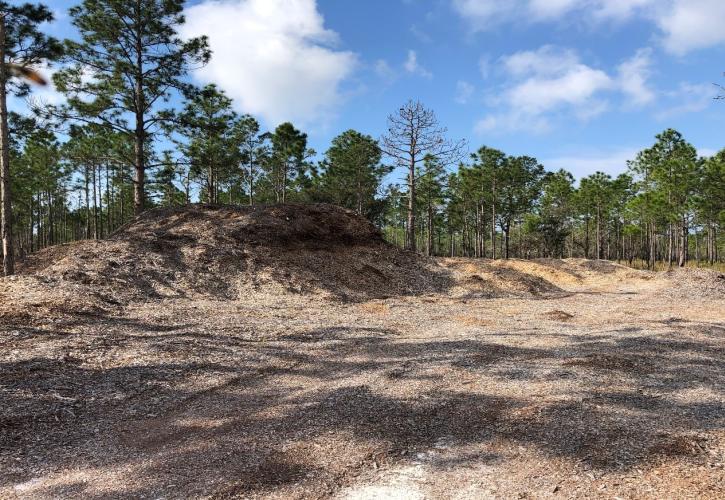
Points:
(570, 381)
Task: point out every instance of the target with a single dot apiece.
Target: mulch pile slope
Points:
(224, 253)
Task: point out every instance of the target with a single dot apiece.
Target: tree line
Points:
(669, 206)
(133, 133)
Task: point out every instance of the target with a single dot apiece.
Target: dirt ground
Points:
(547, 379)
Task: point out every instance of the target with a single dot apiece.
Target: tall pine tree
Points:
(22, 45)
(128, 62)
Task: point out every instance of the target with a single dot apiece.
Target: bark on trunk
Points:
(6, 211)
(506, 233)
(599, 233)
(684, 243)
(429, 241)
(493, 222)
(140, 132)
(411, 207)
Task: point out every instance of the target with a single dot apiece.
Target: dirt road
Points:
(602, 389)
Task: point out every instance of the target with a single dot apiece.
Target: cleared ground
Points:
(552, 379)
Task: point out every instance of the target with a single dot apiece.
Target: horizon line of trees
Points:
(118, 146)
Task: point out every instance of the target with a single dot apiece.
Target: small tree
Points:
(287, 163)
(431, 178)
(711, 200)
(594, 194)
(413, 133)
(254, 152)
(351, 174)
(556, 210)
(519, 187)
(491, 165)
(211, 146)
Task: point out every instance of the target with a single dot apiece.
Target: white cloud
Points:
(275, 58)
(511, 121)
(551, 9)
(547, 60)
(543, 82)
(551, 84)
(413, 67)
(420, 34)
(574, 86)
(682, 25)
(692, 24)
(481, 14)
(633, 75)
(464, 91)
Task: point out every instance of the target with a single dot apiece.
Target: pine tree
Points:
(352, 173)
(128, 62)
(414, 133)
(594, 193)
(21, 44)
(491, 164)
(556, 211)
(287, 163)
(710, 201)
(254, 153)
(431, 177)
(519, 187)
(211, 145)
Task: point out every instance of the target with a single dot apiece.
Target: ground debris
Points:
(304, 374)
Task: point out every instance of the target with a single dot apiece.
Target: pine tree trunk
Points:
(140, 132)
(429, 242)
(95, 206)
(251, 179)
(109, 202)
(670, 246)
(88, 203)
(653, 246)
(210, 185)
(599, 233)
(506, 240)
(697, 248)
(6, 210)
(284, 182)
(411, 206)
(493, 223)
(684, 243)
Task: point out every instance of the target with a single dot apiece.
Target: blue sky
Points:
(580, 84)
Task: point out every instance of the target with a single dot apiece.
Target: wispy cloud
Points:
(464, 91)
(688, 98)
(682, 25)
(413, 67)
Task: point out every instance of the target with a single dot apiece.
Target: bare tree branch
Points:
(414, 133)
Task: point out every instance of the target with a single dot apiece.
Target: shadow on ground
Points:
(227, 416)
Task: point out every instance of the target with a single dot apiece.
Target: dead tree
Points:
(414, 133)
